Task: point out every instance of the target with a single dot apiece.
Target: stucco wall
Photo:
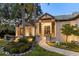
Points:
(60, 36)
(37, 29)
(29, 29)
(26, 31)
(17, 31)
(59, 25)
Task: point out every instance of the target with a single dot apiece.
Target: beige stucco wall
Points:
(59, 25)
(37, 29)
(33, 31)
(27, 31)
(17, 31)
(60, 36)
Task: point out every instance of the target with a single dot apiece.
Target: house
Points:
(48, 24)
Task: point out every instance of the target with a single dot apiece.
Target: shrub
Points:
(18, 47)
(23, 48)
(24, 40)
(14, 50)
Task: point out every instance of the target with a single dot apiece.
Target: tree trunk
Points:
(66, 39)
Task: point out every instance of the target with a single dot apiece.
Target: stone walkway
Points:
(42, 43)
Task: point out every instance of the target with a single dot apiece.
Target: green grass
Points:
(38, 51)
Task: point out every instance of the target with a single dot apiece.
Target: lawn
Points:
(38, 51)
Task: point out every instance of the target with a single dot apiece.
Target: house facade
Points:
(48, 24)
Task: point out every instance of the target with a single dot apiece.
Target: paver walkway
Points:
(42, 43)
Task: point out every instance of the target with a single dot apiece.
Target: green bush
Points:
(24, 40)
(23, 48)
(18, 47)
(14, 50)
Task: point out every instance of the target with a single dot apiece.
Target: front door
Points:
(46, 30)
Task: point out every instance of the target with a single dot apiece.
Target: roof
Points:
(65, 17)
(62, 17)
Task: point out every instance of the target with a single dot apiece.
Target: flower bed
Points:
(23, 45)
(68, 46)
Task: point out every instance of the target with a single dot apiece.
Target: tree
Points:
(18, 10)
(6, 29)
(31, 10)
(13, 10)
(75, 30)
(67, 30)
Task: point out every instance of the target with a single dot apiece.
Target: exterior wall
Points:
(33, 31)
(26, 31)
(60, 36)
(17, 31)
(37, 29)
(29, 30)
(76, 38)
(17, 34)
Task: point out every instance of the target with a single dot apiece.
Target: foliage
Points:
(68, 29)
(68, 46)
(6, 29)
(24, 39)
(13, 11)
(75, 30)
(3, 42)
(18, 47)
(51, 43)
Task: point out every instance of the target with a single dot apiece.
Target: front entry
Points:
(46, 30)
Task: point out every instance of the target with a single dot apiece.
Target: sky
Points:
(60, 8)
